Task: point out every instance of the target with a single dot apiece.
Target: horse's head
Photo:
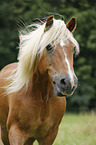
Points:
(48, 48)
(57, 58)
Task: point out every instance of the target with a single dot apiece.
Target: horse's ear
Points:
(71, 25)
(49, 23)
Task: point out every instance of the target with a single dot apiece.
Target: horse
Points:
(33, 90)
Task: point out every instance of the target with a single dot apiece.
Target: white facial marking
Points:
(69, 69)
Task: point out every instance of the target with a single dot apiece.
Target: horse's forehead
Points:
(67, 46)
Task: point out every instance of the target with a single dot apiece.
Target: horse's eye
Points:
(49, 47)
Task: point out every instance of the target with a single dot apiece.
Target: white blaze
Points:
(67, 62)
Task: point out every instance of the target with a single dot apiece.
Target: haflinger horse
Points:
(33, 91)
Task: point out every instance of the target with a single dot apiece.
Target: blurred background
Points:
(16, 14)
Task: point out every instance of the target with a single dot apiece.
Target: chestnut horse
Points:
(32, 91)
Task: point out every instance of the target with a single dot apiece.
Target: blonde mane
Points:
(33, 44)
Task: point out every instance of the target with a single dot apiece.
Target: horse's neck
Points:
(41, 85)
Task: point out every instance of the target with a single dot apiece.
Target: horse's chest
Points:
(44, 127)
(40, 117)
(50, 117)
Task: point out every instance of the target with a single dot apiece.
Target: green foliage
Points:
(17, 13)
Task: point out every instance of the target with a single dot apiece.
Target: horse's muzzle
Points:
(63, 86)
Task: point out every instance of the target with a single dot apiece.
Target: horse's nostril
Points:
(54, 82)
(62, 81)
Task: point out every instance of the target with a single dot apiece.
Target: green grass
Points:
(76, 130)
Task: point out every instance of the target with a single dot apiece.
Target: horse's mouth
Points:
(62, 93)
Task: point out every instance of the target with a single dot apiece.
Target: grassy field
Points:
(76, 130)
